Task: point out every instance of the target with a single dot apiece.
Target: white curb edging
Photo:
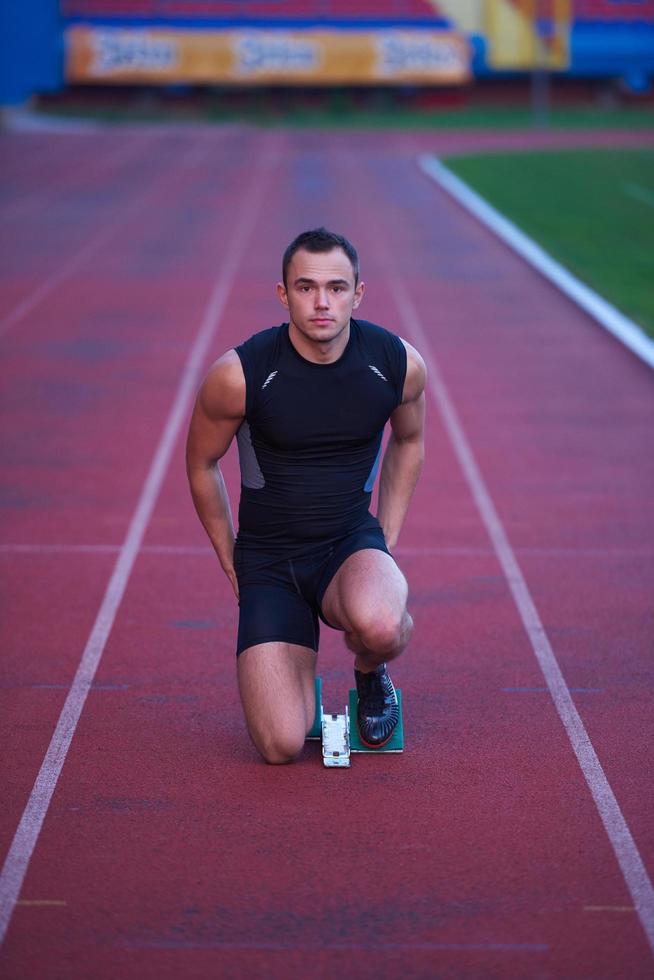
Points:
(626, 331)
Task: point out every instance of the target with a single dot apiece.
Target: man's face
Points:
(320, 294)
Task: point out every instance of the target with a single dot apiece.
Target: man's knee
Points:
(387, 632)
(278, 748)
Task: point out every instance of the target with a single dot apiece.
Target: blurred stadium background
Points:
(415, 64)
(403, 54)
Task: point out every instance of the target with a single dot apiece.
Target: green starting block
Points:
(339, 735)
(396, 741)
(316, 728)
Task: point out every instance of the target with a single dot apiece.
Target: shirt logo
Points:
(268, 379)
(377, 372)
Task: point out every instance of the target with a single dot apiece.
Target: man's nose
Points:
(322, 299)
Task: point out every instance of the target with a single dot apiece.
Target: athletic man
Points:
(308, 402)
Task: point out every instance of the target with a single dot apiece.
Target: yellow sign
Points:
(314, 57)
(528, 34)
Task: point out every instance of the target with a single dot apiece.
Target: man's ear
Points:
(282, 294)
(358, 294)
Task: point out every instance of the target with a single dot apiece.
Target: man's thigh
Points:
(366, 585)
(277, 688)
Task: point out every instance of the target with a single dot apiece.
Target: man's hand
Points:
(231, 575)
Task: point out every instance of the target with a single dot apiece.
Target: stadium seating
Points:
(620, 11)
(293, 10)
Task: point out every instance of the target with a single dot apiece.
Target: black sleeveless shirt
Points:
(310, 443)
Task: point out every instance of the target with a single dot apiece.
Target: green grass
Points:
(593, 210)
(397, 117)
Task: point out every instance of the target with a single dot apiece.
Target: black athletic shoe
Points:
(377, 709)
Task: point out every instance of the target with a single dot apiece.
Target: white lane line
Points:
(626, 331)
(24, 842)
(89, 248)
(639, 193)
(624, 846)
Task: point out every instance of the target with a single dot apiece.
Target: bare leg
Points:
(277, 686)
(367, 598)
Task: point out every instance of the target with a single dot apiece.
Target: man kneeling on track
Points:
(308, 402)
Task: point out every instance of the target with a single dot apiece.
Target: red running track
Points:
(168, 849)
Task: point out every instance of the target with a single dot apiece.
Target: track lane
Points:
(102, 358)
(29, 828)
(482, 857)
(56, 246)
(65, 174)
(593, 443)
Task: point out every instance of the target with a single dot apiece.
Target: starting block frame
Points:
(339, 735)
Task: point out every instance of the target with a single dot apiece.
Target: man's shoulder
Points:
(222, 392)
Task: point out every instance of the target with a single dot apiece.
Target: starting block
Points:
(339, 735)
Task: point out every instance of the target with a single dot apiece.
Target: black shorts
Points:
(280, 601)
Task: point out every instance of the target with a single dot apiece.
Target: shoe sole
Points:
(376, 745)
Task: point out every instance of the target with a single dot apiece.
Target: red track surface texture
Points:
(168, 849)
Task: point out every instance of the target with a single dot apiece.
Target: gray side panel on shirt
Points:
(370, 482)
(251, 475)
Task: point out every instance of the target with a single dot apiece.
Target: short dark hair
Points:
(321, 240)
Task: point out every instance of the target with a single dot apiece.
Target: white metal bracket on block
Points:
(336, 740)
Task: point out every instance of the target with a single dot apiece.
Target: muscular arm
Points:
(405, 451)
(218, 412)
